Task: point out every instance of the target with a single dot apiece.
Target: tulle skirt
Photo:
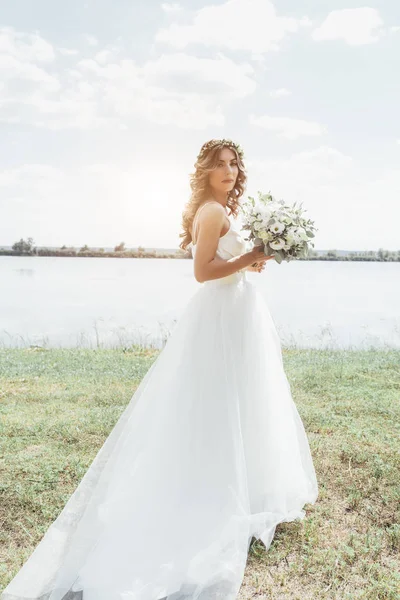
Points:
(209, 452)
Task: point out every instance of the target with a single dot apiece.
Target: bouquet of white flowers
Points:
(283, 229)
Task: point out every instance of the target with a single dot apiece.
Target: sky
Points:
(104, 106)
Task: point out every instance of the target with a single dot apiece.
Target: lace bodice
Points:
(231, 244)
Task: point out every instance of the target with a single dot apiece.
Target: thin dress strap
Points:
(196, 215)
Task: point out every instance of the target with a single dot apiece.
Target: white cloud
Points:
(26, 57)
(12, 69)
(288, 128)
(249, 25)
(280, 93)
(68, 51)
(176, 88)
(26, 65)
(356, 26)
(25, 47)
(107, 54)
(91, 40)
(108, 90)
(220, 76)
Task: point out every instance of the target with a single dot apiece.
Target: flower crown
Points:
(226, 142)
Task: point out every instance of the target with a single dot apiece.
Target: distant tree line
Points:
(366, 255)
(27, 248)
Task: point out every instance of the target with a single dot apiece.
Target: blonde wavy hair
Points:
(207, 160)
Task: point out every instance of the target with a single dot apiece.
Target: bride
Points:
(209, 452)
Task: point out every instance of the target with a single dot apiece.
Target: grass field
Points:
(57, 407)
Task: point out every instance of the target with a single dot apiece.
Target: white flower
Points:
(277, 244)
(291, 236)
(264, 235)
(277, 227)
(288, 229)
(265, 213)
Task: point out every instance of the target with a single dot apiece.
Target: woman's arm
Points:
(207, 265)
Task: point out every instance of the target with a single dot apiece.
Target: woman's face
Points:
(223, 177)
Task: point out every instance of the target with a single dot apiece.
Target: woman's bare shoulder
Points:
(212, 214)
(213, 207)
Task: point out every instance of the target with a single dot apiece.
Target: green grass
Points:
(57, 407)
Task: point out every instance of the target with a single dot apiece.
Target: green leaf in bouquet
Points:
(278, 256)
(268, 251)
(265, 197)
(304, 251)
(310, 233)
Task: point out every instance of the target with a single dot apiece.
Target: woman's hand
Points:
(257, 259)
(257, 256)
(257, 267)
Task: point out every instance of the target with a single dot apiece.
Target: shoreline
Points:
(351, 257)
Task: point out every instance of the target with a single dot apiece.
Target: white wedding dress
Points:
(209, 452)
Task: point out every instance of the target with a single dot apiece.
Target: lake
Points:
(109, 302)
